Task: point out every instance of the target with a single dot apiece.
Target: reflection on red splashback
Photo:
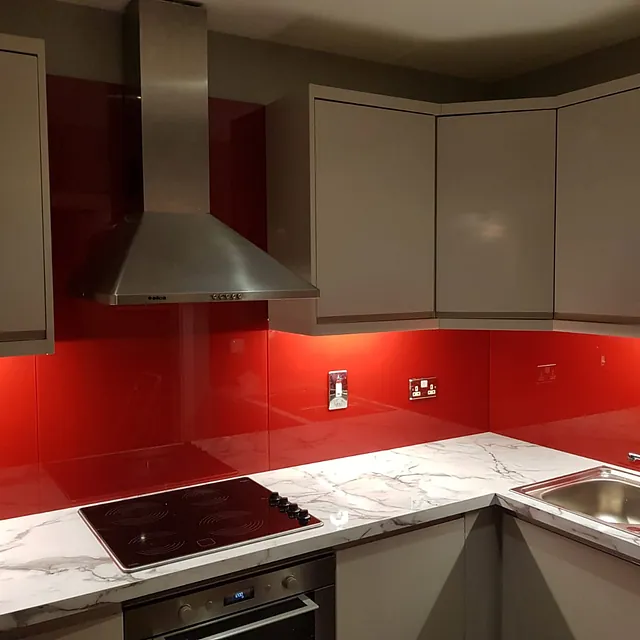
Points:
(589, 406)
(19, 491)
(380, 414)
(18, 433)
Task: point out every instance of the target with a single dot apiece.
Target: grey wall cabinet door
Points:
(558, 589)
(495, 215)
(25, 269)
(598, 222)
(351, 204)
(407, 587)
(374, 196)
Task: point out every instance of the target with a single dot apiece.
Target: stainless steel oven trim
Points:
(309, 607)
(159, 616)
(199, 554)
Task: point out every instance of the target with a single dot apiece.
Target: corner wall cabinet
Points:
(26, 305)
(529, 225)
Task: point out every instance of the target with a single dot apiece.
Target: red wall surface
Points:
(140, 399)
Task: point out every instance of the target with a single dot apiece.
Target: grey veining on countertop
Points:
(52, 565)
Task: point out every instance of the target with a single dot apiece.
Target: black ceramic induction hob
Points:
(163, 527)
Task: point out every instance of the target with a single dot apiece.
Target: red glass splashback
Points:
(380, 414)
(590, 405)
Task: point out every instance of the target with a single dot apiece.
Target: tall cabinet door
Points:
(374, 212)
(495, 215)
(598, 219)
(23, 239)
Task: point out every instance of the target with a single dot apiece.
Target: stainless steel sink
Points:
(604, 494)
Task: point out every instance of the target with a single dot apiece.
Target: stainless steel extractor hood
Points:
(175, 250)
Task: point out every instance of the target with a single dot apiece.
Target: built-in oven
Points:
(285, 603)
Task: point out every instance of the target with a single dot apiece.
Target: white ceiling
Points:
(485, 39)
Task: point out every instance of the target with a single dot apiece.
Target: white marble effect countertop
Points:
(52, 565)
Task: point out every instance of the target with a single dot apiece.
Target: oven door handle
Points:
(309, 606)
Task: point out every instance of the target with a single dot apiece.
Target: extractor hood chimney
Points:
(174, 250)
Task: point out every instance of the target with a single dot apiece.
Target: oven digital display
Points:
(239, 596)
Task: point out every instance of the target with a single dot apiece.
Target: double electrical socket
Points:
(546, 373)
(423, 388)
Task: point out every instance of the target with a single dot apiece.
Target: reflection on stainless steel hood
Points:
(175, 250)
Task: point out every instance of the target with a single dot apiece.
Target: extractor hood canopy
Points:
(175, 250)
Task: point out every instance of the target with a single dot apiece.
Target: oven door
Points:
(291, 619)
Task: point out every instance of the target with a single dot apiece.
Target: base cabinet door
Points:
(92, 625)
(557, 589)
(407, 587)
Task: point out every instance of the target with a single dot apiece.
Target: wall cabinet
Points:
(352, 209)
(26, 307)
(598, 226)
(558, 589)
(495, 215)
(530, 223)
(407, 587)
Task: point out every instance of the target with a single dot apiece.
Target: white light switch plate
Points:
(338, 390)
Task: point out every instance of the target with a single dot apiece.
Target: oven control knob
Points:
(290, 582)
(303, 516)
(283, 503)
(186, 613)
